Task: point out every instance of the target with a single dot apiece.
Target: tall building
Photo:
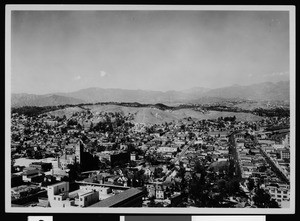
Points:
(79, 151)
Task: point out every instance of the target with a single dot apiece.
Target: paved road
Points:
(185, 148)
(180, 155)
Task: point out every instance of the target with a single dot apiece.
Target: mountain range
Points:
(262, 91)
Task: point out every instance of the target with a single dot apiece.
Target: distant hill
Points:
(263, 91)
(19, 100)
(196, 90)
(115, 95)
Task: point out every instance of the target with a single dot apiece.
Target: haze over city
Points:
(64, 51)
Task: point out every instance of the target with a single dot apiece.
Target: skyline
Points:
(64, 51)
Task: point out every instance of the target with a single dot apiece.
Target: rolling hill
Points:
(151, 115)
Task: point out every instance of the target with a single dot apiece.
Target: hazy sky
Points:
(62, 51)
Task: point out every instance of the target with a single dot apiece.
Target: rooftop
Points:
(118, 198)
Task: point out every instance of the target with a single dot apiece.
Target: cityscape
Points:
(221, 139)
(81, 157)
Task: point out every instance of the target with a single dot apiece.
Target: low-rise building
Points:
(280, 193)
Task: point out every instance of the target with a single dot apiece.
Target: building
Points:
(167, 149)
(84, 197)
(280, 193)
(155, 190)
(218, 134)
(104, 191)
(128, 198)
(133, 157)
(160, 194)
(16, 180)
(24, 192)
(79, 151)
(57, 193)
(42, 166)
(240, 144)
(286, 141)
(51, 122)
(151, 190)
(285, 154)
(59, 196)
(32, 175)
(176, 199)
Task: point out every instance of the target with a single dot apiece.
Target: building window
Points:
(63, 189)
(80, 199)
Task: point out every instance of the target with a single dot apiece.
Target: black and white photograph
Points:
(142, 109)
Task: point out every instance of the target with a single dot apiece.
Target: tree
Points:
(78, 127)
(12, 165)
(158, 172)
(233, 186)
(72, 122)
(27, 131)
(199, 168)
(46, 166)
(221, 186)
(74, 171)
(132, 164)
(183, 182)
(251, 184)
(231, 168)
(262, 168)
(89, 162)
(91, 126)
(38, 155)
(15, 137)
(64, 130)
(262, 199)
(152, 203)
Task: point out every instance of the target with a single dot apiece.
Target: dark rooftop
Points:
(118, 198)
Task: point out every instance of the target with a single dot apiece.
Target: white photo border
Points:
(120, 210)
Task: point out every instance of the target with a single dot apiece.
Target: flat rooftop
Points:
(79, 192)
(118, 198)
